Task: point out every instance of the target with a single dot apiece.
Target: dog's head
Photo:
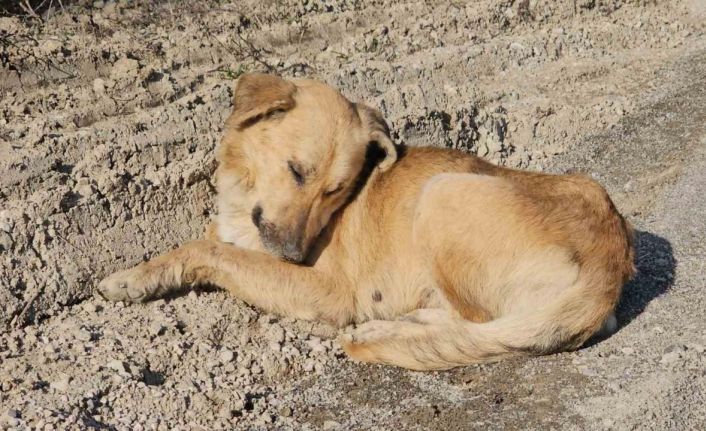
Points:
(295, 151)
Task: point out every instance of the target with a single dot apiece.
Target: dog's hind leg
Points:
(429, 339)
(518, 289)
(257, 278)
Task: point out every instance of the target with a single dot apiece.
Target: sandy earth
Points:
(109, 116)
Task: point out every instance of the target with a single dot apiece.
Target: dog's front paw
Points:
(130, 285)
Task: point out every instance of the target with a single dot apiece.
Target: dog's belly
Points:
(391, 293)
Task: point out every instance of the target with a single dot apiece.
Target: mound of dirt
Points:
(109, 117)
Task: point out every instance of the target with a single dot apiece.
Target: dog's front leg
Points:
(257, 278)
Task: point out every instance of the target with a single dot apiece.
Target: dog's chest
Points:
(238, 231)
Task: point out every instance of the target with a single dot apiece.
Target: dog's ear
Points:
(259, 94)
(379, 132)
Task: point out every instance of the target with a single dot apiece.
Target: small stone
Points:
(5, 226)
(6, 241)
(226, 356)
(331, 425)
(99, 86)
(84, 187)
(118, 366)
(157, 329)
(275, 334)
(670, 358)
(124, 68)
(225, 412)
(12, 413)
(89, 307)
(61, 385)
(51, 45)
(316, 346)
(84, 335)
(286, 411)
(627, 351)
(698, 348)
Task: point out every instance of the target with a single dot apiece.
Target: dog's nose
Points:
(293, 250)
(256, 216)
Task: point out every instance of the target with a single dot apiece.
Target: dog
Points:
(430, 258)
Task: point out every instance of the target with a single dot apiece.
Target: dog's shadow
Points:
(656, 266)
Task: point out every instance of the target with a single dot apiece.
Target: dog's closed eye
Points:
(297, 172)
(334, 190)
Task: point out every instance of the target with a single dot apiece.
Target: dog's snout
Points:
(293, 250)
(256, 216)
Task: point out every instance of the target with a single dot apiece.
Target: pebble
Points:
(670, 358)
(225, 412)
(698, 348)
(331, 425)
(226, 356)
(275, 334)
(157, 329)
(84, 335)
(316, 345)
(89, 307)
(627, 351)
(118, 366)
(61, 385)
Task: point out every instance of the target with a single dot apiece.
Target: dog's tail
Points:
(436, 342)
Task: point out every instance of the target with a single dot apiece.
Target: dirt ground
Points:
(109, 115)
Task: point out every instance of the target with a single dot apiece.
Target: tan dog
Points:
(448, 260)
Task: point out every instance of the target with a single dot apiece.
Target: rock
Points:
(316, 346)
(89, 307)
(698, 348)
(6, 241)
(125, 68)
(84, 187)
(275, 334)
(627, 351)
(331, 425)
(118, 365)
(226, 356)
(157, 329)
(99, 86)
(286, 411)
(12, 413)
(670, 357)
(61, 385)
(84, 335)
(50, 46)
(225, 412)
(5, 225)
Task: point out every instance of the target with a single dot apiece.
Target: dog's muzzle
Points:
(286, 243)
